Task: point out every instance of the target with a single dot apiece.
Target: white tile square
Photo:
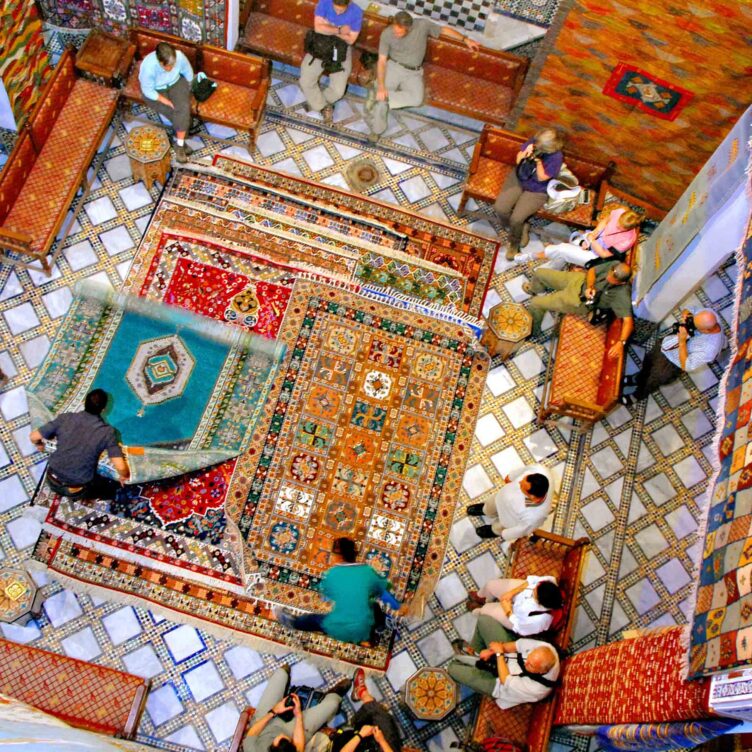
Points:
(4, 459)
(135, 196)
(82, 645)
(57, 302)
(507, 461)
(24, 531)
(305, 673)
(242, 661)
(118, 168)
(7, 365)
(21, 318)
(122, 625)
(318, 158)
(597, 514)
(21, 634)
(143, 662)
(21, 437)
(12, 493)
(606, 462)
(13, 403)
(673, 575)
(415, 189)
(668, 440)
(204, 681)
(476, 481)
(483, 568)
(401, 668)
(186, 736)
(682, 522)
(80, 255)
(62, 607)
(222, 721)
(269, 143)
(643, 596)
(116, 240)
(435, 648)
(11, 288)
(34, 350)
(163, 704)
(488, 430)
(540, 444)
(529, 363)
(183, 642)
(519, 412)
(651, 540)
(100, 210)
(659, 488)
(463, 535)
(450, 591)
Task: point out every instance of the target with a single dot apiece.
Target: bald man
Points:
(676, 353)
(527, 669)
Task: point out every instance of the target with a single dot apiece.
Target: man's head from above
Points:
(282, 744)
(548, 594)
(619, 274)
(345, 549)
(706, 322)
(340, 6)
(535, 487)
(541, 660)
(96, 401)
(402, 23)
(166, 55)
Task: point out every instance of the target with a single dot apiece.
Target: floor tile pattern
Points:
(633, 484)
(467, 14)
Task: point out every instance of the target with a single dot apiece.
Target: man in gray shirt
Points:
(399, 70)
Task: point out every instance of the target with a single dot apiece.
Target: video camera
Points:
(688, 323)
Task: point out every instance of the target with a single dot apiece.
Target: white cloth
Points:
(701, 348)
(561, 254)
(518, 689)
(520, 620)
(513, 517)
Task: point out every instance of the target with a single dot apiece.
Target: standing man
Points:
(81, 438)
(340, 19)
(165, 78)
(399, 70)
(697, 339)
(522, 505)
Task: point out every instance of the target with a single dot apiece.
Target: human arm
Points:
(344, 32)
(378, 735)
(298, 732)
(525, 151)
(260, 724)
(184, 66)
(590, 283)
(37, 440)
(450, 33)
(121, 466)
(147, 79)
(627, 327)
(381, 93)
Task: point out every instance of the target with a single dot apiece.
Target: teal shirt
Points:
(351, 587)
(153, 77)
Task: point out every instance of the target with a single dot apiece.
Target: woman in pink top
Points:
(616, 229)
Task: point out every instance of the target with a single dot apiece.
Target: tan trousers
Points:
(565, 297)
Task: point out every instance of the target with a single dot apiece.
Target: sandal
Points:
(627, 400)
(461, 647)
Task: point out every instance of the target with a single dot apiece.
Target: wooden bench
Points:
(495, 155)
(529, 725)
(242, 81)
(49, 163)
(82, 694)
(482, 85)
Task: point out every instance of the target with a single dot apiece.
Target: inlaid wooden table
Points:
(105, 58)
(431, 694)
(507, 325)
(19, 598)
(148, 149)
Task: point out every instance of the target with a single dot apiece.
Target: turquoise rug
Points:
(185, 391)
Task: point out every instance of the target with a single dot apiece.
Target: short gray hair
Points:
(622, 272)
(403, 19)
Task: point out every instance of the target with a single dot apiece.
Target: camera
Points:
(688, 324)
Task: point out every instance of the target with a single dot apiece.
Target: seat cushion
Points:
(230, 104)
(485, 183)
(581, 215)
(275, 37)
(62, 163)
(474, 97)
(578, 361)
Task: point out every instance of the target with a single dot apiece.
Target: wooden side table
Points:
(20, 600)
(148, 149)
(105, 58)
(431, 694)
(508, 324)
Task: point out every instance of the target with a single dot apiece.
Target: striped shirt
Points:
(701, 348)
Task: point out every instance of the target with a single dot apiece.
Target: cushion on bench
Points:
(278, 38)
(67, 152)
(48, 109)
(14, 174)
(486, 181)
(453, 90)
(230, 104)
(146, 42)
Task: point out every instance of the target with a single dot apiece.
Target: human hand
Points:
(381, 94)
(496, 647)
(282, 706)
(344, 30)
(590, 293)
(507, 479)
(486, 654)
(366, 731)
(506, 606)
(297, 712)
(378, 734)
(528, 150)
(616, 349)
(682, 334)
(472, 44)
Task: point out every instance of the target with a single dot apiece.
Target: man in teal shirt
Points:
(352, 587)
(165, 77)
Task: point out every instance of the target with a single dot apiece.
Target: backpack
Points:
(327, 48)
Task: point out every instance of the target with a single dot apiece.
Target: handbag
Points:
(202, 88)
(330, 50)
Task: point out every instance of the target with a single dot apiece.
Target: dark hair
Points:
(165, 53)
(548, 594)
(341, 2)
(345, 547)
(403, 19)
(96, 401)
(538, 485)
(283, 745)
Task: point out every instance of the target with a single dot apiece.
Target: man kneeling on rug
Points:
(512, 672)
(81, 438)
(353, 588)
(273, 732)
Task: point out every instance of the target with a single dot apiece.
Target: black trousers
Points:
(180, 95)
(656, 371)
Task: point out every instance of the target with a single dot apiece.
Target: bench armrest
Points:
(236, 742)
(650, 210)
(259, 99)
(15, 241)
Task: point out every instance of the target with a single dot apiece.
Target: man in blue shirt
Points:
(165, 77)
(338, 18)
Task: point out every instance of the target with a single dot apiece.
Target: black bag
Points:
(616, 255)
(526, 169)
(331, 50)
(203, 89)
(308, 697)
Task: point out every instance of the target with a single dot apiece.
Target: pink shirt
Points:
(617, 237)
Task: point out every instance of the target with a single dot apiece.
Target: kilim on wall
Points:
(24, 63)
(701, 46)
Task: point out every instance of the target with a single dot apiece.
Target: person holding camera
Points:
(511, 671)
(272, 729)
(524, 190)
(696, 339)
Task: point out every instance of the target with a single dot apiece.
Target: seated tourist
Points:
(271, 733)
(525, 189)
(372, 719)
(353, 587)
(612, 237)
(511, 672)
(524, 607)
(604, 289)
(81, 438)
(165, 78)
(522, 504)
(695, 340)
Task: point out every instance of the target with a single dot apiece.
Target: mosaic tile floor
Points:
(632, 484)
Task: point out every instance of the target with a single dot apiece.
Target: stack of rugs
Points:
(289, 363)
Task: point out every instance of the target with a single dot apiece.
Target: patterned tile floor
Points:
(633, 484)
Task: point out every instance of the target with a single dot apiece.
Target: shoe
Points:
(373, 138)
(358, 685)
(474, 510)
(630, 380)
(528, 288)
(180, 154)
(627, 400)
(522, 258)
(328, 114)
(187, 149)
(485, 531)
(461, 647)
(511, 253)
(284, 617)
(370, 98)
(476, 597)
(525, 239)
(341, 687)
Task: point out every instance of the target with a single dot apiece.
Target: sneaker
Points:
(358, 685)
(474, 510)
(486, 531)
(373, 138)
(341, 687)
(181, 155)
(522, 258)
(462, 647)
(328, 114)
(476, 597)
(511, 253)
(284, 617)
(525, 239)
(528, 288)
(630, 380)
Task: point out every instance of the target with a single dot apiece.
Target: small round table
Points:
(431, 694)
(148, 148)
(19, 598)
(508, 324)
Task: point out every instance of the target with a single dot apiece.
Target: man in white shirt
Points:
(522, 504)
(527, 669)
